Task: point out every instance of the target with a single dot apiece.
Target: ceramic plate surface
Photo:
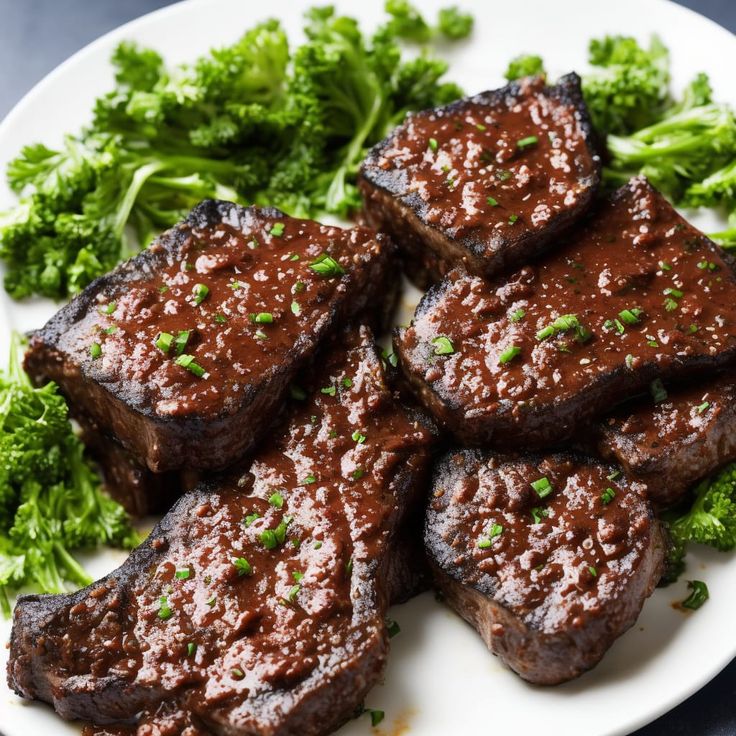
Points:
(441, 680)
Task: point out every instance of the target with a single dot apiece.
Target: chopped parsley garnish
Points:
(509, 354)
(698, 596)
(670, 305)
(188, 362)
(329, 390)
(191, 649)
(608, 495)
(164, 610)
(513, 219)
(108, 308)
(251, 518)
(262, 318)
(276, 500)
(182, 574)
(277, 229)
(347, 382)
(443, 346)
(200, 292)
(180, 341)
(492, 202)
(542, 487)
(95, 350)
(539, 513)
(517, 315)
(296, 310)
(433, 144)
(243, 566)
(358, 437)
(309, 480)
(630, 316)
(530, 140)
(326, 266)
(392, 627)
(376, 716)
(658, 391)
(703, 407)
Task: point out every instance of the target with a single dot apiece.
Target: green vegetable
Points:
(698, 596)
(509, 354)
(542, 487)
(629, 85)
(243, 567)
(51, 502)
(527, 65)
(443, 345)
(254, 122)
(710, 520)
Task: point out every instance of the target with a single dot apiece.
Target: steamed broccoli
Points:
(251, 122)
(710, 520)
(50, 498)
(527, 65)
(629, 85)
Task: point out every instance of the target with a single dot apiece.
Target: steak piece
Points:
(540, 557)
(635, 295)
(185, 353)
(257, 604)
(488, 181)
(673, 444)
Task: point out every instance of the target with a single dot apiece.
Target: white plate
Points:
(441, 680)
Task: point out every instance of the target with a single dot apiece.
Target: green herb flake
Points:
(539, 513)
(328, 390)
(200, 292)
(277, 229)
(188, 362)
(164, 610)
(293, 592)
(593, 571)
(250, 518)
(376, 716)
(358, 437)
(309, 480)
(630, 316)
(180, 341)
(517, 315)
(95, 350)
(276, 500)
(191, 649)
(221, 319)
(358, 473)
(268, 539)
(347, 382)
(542, 487)
(392, 627)
(326, 266)
(111, 330)
(530, 140)
(698, 596)
(513, 219)
(443, 345)
(296, 310)
(317, 545)
(108, 308)
(658, 391)
(492, 202)
(243, 567)
(608, 495)
(183, 574)
(703, 407)
(262, 318)
(509, 354)
(433, 144)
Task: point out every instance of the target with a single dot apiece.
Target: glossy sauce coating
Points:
(493, 166)
(637, 286)
(244, 297)
(552, 561)
(272, 577)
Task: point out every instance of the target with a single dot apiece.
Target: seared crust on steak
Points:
(673, 444)
(257, 604)
(532, 357)
(244, 296)
(487, 182)
(549, 578)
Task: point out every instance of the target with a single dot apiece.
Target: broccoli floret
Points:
(710, 520)
(454, 24)
(629, 85)
(50, 498)
(527, 65)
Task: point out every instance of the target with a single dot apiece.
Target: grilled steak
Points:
(672, 444)
(257, 605)
(488, 181)
(635, 295)
(541, 558)
(186, 352)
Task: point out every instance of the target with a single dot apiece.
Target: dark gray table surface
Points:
(36, 35)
